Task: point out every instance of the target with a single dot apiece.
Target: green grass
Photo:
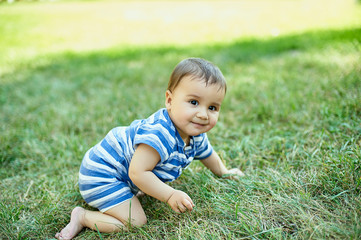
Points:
(291, 120)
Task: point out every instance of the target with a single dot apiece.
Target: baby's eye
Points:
(212, 108)
(193, 102)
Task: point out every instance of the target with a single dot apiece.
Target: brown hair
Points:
(198, 68)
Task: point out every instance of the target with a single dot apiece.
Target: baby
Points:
(152, 151)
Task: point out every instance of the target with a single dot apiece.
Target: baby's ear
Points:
(168, 99)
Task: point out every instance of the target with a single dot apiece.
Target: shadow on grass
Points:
(56, 107)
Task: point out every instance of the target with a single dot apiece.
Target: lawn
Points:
(70, 71)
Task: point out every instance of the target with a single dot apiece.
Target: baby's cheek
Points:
(213, 123)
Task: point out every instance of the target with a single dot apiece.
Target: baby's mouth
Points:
(199, 124)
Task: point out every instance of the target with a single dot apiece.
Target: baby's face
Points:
(194, 107)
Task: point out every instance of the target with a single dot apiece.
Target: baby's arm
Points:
(143, 162)
(215, 164)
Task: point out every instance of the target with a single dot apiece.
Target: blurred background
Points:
(53, 26)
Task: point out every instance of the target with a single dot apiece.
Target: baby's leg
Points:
(81, 218)
(112, 220)
(136, 215)
(117, 218)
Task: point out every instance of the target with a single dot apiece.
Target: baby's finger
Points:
(188, 204)
(175, 208)
(238, 172)
(233, 173)
(190, 200)
(182, 208)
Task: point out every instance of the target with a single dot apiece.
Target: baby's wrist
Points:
(170, 196)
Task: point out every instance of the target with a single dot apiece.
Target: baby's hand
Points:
(180, 202)
(233, 173)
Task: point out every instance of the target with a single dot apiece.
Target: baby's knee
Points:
(139, 221)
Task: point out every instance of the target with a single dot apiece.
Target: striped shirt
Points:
(112, 155)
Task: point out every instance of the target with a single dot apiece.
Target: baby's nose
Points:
(202, 114)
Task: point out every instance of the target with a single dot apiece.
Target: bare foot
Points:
(75, 225)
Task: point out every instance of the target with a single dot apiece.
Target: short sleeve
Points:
(157, 136)
(203, 147)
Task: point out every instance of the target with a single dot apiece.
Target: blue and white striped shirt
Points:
(114, 153)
